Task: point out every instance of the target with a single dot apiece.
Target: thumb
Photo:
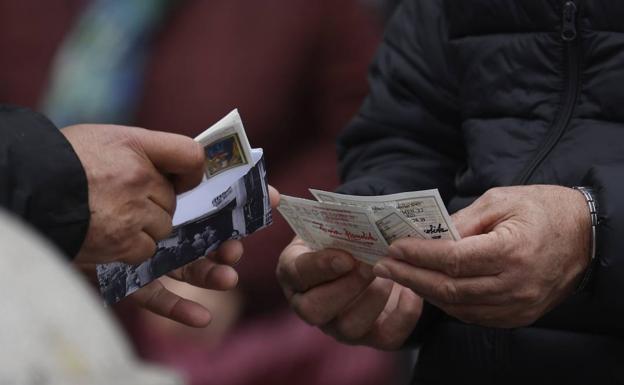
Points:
(179, 156)
(478, 218)
(274, 196)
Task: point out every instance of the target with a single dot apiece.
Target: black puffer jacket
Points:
(467, 95)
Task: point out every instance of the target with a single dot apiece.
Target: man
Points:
(106, 193)
(467, 97)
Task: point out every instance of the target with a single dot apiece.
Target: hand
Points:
(333, 291)
(133, 177)
(214, 272)
(525, 250)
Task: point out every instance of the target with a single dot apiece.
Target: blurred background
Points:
(295, 69)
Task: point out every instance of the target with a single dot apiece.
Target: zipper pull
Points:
(568, 31)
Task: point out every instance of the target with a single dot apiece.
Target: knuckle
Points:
(447, 291)
(139, 248)
(119, 234)
(489, 195)
(135, 174)
(165, 230)
(494, 194)
(146, 250)
(453, 264)
(517, 260)
(527, 295)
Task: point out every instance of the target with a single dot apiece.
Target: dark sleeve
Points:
(599, 307)
(406, 135)
(41, 178)
(608, 270)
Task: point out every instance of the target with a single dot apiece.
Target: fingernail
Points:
(381, 271)
(341, 264)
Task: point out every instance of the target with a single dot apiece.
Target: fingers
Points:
(229, 253)
(440, 288)
(358, 319)
(157, 223)
(470, 220)
(300, 272)
(274, 196)
(156, 298)
(162, 193)
(139, 249)
(478, 255)
(397, 321)
(483, 215)
(321, 304)
(207, 274)
(287, 276)
(174, 154)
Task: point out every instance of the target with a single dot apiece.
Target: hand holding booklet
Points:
(366, 225)
(231, 202)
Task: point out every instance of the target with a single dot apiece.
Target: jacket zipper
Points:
(569, 36)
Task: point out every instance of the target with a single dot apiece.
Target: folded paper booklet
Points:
(365, 226)
(231, 202)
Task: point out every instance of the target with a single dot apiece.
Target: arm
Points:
(41, 178)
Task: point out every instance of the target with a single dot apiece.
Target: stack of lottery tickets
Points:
(366, 225)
